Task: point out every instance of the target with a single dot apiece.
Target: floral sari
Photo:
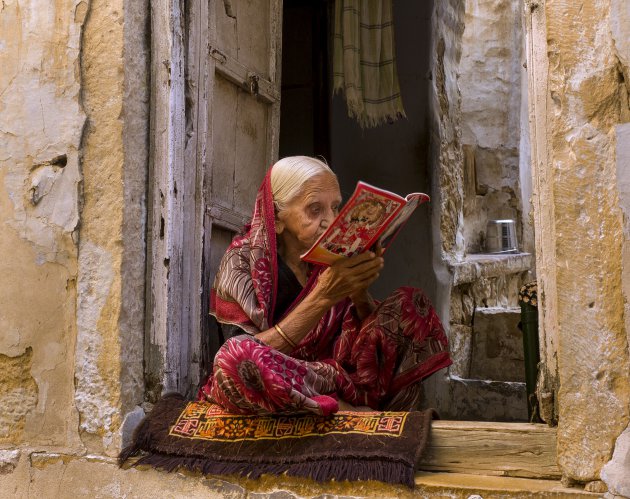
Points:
(378, 362)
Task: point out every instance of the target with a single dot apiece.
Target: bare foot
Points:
(345, 406)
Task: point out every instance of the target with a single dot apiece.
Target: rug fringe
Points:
(321, 470)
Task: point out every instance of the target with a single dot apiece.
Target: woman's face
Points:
(308, 215)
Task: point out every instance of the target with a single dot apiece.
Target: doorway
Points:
(393, 156)
(480, 313)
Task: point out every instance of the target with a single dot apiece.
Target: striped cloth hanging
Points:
(364, 61)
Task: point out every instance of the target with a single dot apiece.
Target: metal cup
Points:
(501, 236)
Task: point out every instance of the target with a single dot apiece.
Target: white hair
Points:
(289, 174)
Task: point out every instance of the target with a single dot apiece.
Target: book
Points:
(372, 217)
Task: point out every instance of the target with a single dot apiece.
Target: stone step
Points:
(51, 475)
(497, 345)
(467, 486)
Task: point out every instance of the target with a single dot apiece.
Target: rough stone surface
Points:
(135, 131)
(448, 29)
(9, 460)
(130, 423)
(40, 132)
(484, 400)
(616, 473)
(98, 349)
(18, 395)
(596, 486)
(584, 86)
(111, 248)
(460, 347)
(620, 30)
(474, 267)
(490, 75)
(445, 151)
(71, 219)
(61, 476)
(497, 346)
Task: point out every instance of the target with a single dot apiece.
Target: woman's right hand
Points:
(348, 276)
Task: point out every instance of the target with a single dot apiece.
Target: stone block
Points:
(9, 460)
(478, 400)
(456, 312)
(130, 423)
(497, 345)
(616, 473)
(460, 345)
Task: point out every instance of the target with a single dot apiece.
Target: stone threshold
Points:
(476, 266)
(62, 476)
(460, 485)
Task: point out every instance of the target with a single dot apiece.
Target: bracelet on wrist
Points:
(284, 336)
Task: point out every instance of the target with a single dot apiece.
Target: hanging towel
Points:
(364, 61)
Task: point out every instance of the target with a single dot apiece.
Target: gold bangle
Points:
(284, 336)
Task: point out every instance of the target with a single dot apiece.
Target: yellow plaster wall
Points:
(61, 218)
(40, 132)
(98, 363)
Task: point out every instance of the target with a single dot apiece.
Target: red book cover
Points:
(370, 216)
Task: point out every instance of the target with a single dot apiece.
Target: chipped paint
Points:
(40, 132)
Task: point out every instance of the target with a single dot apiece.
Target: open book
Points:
(372, 217)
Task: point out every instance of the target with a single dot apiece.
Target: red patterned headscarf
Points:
(245, 288)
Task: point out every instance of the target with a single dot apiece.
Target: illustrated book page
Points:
(371, 217)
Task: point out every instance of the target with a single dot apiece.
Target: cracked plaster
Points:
(40, 121)
(63, 212)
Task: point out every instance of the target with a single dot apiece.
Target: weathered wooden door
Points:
(215, 108)
(243, 111)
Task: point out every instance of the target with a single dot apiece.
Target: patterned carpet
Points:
(199, 436)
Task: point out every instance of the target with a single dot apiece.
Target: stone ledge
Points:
(486, 265)
(61, 476)
(460, 485)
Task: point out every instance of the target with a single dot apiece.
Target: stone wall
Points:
(489, 79)
(111, 248)
(41, 124)
(73, 83)
(587, 97)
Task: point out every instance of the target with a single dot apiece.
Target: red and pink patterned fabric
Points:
(378, 362)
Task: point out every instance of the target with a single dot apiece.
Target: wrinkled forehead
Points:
(324, 183)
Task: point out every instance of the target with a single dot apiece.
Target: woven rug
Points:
(199, 436)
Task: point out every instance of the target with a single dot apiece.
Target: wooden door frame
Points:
(543, 207)
(180, 144)
(175, 195)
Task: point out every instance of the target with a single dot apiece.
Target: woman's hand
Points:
(349, 277)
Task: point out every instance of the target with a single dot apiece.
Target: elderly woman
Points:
(304, 338)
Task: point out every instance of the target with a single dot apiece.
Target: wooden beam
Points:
(227, 218)
(232, 70)
(498, 449)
